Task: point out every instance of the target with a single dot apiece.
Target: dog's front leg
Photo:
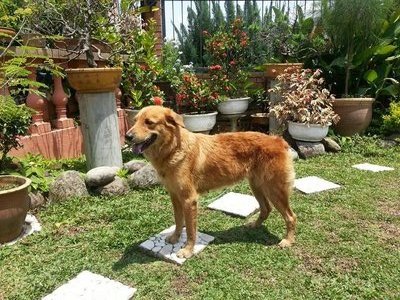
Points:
(179, 221)
(190, 214)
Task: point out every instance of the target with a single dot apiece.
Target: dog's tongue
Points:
(138, 148)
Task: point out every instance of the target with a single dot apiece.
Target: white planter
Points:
(233, 106)
(200, 122)
(307, 132)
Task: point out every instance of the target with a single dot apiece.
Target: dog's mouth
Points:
(139, 147)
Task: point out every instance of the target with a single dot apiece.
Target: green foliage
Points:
(14, 122)
(38, 170)
(13, 13)
(391, 121)
(141, 66)
(171, 64)
(122, 173)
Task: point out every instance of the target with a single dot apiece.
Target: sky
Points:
(179, 7)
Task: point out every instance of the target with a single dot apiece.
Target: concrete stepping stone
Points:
(236, 204)
(30, 226)
(158, 247)
(87, 285)
(314, 184)
(373, 168)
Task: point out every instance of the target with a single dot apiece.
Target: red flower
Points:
(158, 100)
(215, 67)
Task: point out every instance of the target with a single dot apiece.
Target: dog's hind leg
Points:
(179, 221)
(279, 194)
(265, 206)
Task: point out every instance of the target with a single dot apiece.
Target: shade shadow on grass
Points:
(238, 234)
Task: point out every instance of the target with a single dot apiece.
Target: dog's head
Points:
(154, 125)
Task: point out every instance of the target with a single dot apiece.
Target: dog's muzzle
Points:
(139, 146)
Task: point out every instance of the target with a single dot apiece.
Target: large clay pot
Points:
(14, 205)
(94, 80)
(7, 35)
(355, 115)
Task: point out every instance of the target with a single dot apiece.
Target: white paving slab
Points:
(30, 226)
(236, 204)
(160, 248)
(314, 184)
(89, 286)
(373, 168)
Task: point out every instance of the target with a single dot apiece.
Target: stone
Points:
(67, 185)
(36, 200)
(144, 178)
(100, 176)
(134, 165)
(168, 251)
(293, 153)
(371, 167)
(330, 145)
(88, 285)
(117, 187)
(314, 184)
(309, 149)
(236, 204)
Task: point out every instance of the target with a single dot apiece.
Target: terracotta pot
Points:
(259, 119)
(355, 115)
(14, 205)
(9, 32)
(94, 80)
(272, 70)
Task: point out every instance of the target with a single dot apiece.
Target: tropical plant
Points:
(195, 96)
(228, 51)
(303, 98)
(14, 122)
(352, 27)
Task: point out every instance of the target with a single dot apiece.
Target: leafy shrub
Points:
(391, 122)
(14, 122)
(304, 99)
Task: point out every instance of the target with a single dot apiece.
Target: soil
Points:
(8, 186)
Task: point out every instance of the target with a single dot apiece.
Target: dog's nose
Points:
(129, 136)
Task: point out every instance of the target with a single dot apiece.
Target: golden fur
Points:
(189, 164)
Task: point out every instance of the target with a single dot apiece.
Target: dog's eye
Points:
(148, 122)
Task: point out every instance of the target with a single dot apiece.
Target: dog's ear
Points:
(174, 119)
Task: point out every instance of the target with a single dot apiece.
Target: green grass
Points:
(347, 242)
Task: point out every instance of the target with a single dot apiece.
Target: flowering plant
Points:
(228, 51)
(194, 95)
(304, 99)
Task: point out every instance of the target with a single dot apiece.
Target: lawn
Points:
(348, 242)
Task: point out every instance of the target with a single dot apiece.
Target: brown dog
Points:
(189, 164)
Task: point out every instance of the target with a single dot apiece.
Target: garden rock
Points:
(117, 187)
(293, 153)
(330, 145)
(68, 184)
(134, 165)
(36, 200)
(144, 178)
(100, 176)
(309, 149)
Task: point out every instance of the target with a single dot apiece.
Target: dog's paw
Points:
(172, 239)
(254, 224)
(185, 253)
(285, 243)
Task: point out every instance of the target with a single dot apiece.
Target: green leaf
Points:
(370, 76)
(384, 50)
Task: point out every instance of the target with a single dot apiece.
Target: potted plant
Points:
(197, 103)
(14, 122)
(305, 105)
(352, 27)
(228, 74)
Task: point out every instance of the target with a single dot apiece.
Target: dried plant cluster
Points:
(303, 98)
